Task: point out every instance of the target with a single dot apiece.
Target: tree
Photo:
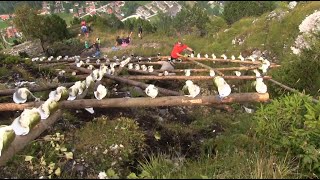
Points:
(26, 20)
(46, 28)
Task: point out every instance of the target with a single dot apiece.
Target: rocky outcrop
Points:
(32, 48)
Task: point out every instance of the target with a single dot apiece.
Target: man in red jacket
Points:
(177, 50)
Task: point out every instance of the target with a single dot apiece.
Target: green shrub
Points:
(68, 47)
(235, 10)
(292, 123)
(106, 144)
(302, 72)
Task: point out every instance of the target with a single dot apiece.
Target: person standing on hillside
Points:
(86, 45)
(97, 48)
(98, 41)
(140, 32)
(177, 50)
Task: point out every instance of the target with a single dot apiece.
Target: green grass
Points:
(67, 17)
(3, 24)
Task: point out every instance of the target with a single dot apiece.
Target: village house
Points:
(168, 3)
(4, 17)
(154, 10)
(148, 6)
(160, 5)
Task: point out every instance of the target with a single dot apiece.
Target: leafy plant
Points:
(292, 124)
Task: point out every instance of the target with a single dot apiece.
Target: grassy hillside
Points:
(264, 33)
(3, 24)
(67, 17)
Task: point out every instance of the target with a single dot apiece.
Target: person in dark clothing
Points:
(118, 41)
(89, 28)
(96, 46)
(140, 32)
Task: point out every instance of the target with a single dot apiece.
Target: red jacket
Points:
(177, 48)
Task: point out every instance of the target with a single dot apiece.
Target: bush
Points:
(9, 59)
(302, 72)
(109, 144)
(68, 47)
(292, 123)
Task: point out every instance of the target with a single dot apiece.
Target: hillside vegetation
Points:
(280, 139)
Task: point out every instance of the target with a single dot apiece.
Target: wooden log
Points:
(242, 68)
(18, 107)
(207, 67)
(131, 82)
(164, 58)
(6, 92)
(144, 72)
(165, 101)
(161, 90)
(291, 89)
(220, 69)
(51, 65)
(135, 77)
(21, 141)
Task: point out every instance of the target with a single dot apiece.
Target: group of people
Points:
(178, 48)
(125, 41)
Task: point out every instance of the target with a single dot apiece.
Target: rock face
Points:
(32, 48)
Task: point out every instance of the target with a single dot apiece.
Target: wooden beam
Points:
(135, 77)
(21, 141)
(243, 68)
(164, 58)
(51, 65)
(207, 67)
(6, 92)
(220, 69)
(131, 82)
(144, 72)
(165, 101)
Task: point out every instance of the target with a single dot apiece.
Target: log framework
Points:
(168, 97)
